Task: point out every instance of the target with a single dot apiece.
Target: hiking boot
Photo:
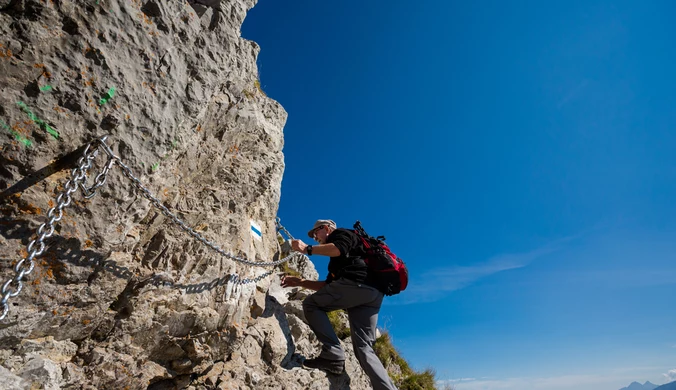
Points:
(333, 366)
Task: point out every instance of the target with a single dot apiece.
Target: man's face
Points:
(320, 234)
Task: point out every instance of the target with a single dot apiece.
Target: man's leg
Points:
(315, 314)
(340, 294)
(363, 321)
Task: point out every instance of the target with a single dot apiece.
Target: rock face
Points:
(122, 298)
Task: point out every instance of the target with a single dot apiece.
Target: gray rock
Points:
(299, 329)
(43, 371)
(11, 381)
(57, 351)
(72, 374)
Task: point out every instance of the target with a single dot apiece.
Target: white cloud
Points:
(637, 369)
(436, 283)
(611, 379)
(564, 382)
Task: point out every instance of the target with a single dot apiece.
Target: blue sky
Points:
(518, 155)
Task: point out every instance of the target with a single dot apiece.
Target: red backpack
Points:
(387, 271)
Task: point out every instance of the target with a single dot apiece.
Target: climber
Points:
(344, 288)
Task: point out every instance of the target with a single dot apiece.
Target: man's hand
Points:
(299, 245)
(291, 281)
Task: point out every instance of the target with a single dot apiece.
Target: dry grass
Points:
(342, 330)
(284, 267)
(405, 378)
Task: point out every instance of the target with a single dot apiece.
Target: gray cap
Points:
(321, 222)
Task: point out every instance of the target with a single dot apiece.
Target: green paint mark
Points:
(46, 88)
(37, 120)
(107, 96)
(25, 141)
(155, 166)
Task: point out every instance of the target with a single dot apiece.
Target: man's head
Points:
(321, 230)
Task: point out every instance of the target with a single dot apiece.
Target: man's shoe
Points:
(333, 366)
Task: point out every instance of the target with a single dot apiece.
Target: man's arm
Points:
(330, 250)
(315, 285)
(325, 250)
(293, 281)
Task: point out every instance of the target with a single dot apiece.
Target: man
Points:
(344, 288)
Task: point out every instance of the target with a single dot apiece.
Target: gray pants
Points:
(363, 304)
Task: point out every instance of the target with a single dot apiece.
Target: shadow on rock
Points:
(60, 250)
(274, 308)
(339, 382)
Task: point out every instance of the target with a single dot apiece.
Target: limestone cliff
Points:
(122, 298)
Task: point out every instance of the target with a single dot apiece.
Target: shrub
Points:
(388, 354)
(257, 84)
(403, 376)
(284, 267)
(419, 381)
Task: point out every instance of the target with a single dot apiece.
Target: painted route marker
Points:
(256, 231)
(16, 135)
(109, 95)
(37, 120)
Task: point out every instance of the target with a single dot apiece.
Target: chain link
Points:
(181, 224)
(12, 287)
(99, 181)
(278, 222)
(232, 279)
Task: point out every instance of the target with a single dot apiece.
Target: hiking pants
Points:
(362, 303)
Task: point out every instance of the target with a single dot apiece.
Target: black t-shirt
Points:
(349, 264)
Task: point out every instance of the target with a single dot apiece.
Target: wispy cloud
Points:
(670, 376)
(612, 380)
(565, 382)
(637, 370)
(436, 283)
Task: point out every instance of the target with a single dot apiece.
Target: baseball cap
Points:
(321, 222)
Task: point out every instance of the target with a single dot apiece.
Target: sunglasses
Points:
(314, 232)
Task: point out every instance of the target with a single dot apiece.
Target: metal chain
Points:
(25, 266)
(145, 192)
(177, 221)
(78, 180)
(229, 278)
(99, 181)
(278, 222)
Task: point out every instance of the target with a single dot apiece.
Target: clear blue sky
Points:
(520, 156)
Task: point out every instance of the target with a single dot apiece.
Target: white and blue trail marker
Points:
(256, 231)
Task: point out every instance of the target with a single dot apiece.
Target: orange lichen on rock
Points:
(30, 209)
